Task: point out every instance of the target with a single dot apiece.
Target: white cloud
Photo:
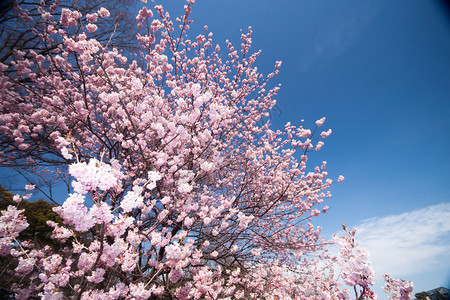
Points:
(410, 243)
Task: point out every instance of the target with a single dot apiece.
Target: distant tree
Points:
(421, 296)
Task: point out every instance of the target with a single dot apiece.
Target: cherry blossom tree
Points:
(178, 191)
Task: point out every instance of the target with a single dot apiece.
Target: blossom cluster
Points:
(355, 266)
(398, 289)
(12, 222)
(94, 175)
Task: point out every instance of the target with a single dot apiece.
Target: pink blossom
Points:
(25, 266)
(165, 200)
(17, 198)
(398, 289)
(143, 14)
(91, 27)
(319, 145)
(59, 232)
(207, 166)
(156, 24)
(176, 253)
(159, 128)
(325, 134)
(162, 215)
(158, 290)
(315, 212)
(188, 222)
(65, 153)
(207, 220)
(244, 220)
(303, 133)
(153, 177)
(151, 185)
(175, 275)
(130, 259)
(96, 276)
(139, 291)
(69, 17)
(183, 293)
(12, 222)
(156, 238)
(74, 212)
(29, 187)
(51, 29)
(101, 213)
(92, 17)
(52, 263)
(103, 12)
(59, 61)
(111, 253)
(184, 187)
(93, 175)
(119, 290)
(6, 244)
(133, 238)
(256, 252)
(65, 14)
(320, 122)
(131, 200)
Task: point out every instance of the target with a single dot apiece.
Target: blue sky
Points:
(379, 71)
